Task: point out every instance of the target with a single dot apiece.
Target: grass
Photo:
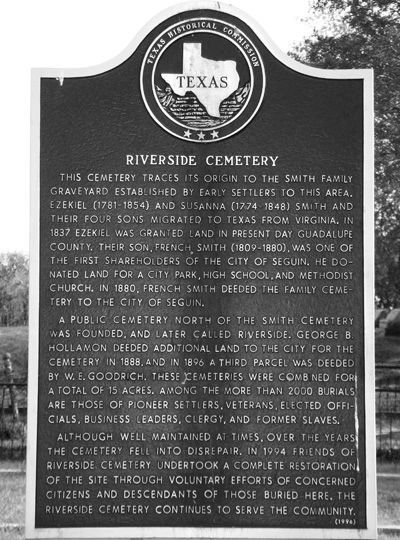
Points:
(16, 534)
(12, 465)
(388, 467)
(388, 501)
(12, 505)
(12, 500)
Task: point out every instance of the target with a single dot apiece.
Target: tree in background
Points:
(14, 289)
(365, 34)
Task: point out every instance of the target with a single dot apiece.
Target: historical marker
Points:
(201, 355)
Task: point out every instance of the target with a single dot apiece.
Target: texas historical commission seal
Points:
(202, 79)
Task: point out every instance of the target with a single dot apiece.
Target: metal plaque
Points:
(201, 340)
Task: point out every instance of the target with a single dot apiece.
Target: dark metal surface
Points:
(312, 126)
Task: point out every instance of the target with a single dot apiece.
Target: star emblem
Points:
(201, 136)
(214, 134)
(188, 133)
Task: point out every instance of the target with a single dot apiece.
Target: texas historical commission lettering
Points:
(201, 353)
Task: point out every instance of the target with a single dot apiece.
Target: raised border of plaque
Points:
(202, 532)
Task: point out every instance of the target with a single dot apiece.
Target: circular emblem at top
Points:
(202, 79)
